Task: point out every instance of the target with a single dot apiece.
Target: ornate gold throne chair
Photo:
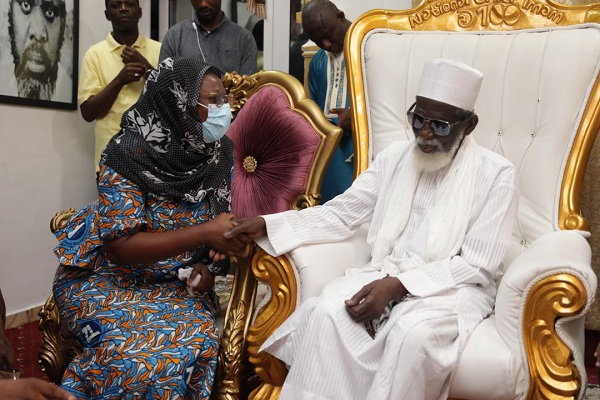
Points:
(283, 143)
(539, 107)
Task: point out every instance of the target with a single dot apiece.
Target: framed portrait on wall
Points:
(38, 52)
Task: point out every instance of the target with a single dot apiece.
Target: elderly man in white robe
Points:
(441, 211)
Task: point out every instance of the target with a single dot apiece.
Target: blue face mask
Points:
(216, 123)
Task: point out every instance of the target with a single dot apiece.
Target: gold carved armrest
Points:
(57, 351)
(240, 337)
(552, 372)
(60, 219)
(240, 342)
(278, 273)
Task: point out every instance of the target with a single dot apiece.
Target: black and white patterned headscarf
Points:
(160, 146)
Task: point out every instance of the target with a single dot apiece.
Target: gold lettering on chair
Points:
(436, 9)
(538, 8)
(484, 13)
(552, 372)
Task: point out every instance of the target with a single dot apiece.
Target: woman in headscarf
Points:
(164, 187)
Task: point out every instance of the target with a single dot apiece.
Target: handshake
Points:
(231, 236)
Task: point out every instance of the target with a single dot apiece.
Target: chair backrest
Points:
(282, 144)
(538, 106)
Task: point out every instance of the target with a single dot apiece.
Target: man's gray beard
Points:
(436, 160)
(36, 86)
(34, 89)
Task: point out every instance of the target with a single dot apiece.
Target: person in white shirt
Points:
(441, 211)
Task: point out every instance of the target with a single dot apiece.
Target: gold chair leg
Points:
(266, 392)
(233, 342)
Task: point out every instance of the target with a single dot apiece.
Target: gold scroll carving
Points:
(552, 372)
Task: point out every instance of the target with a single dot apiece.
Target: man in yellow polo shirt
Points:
(112, 71)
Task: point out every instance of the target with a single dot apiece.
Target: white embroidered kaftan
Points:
(414, 354)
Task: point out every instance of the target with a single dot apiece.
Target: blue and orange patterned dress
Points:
(143, 335)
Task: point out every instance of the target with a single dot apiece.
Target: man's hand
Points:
(131, 72)
(132, 56)
(32, 389)
(252, 228)
(207, 278)
(370, 301)
(344, 118)
(228, 245)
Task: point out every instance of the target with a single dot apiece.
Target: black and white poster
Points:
(38, 52)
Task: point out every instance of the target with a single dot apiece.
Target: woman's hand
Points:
(216, 256)
(201, 279)
(225, 245)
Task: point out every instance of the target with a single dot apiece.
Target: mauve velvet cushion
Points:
(284, 145)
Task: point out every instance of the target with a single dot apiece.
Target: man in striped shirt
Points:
(441, 211)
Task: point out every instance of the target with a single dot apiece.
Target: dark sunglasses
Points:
(439, 127)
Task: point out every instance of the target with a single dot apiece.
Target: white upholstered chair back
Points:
(540, 107)
(537, 84)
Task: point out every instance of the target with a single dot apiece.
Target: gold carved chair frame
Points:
(552, 373)
(242, 334)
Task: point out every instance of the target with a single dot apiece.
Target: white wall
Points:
(277, 28)
(46, 165)
(354, 9)
(277, 36)
(46, 157)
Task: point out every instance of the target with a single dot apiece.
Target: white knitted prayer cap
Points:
(451, 82)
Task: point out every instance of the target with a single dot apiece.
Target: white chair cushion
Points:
(535, 85)
(317, 264)
(491, 366)
(487, 368)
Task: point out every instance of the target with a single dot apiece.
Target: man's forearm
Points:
(100, 104)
